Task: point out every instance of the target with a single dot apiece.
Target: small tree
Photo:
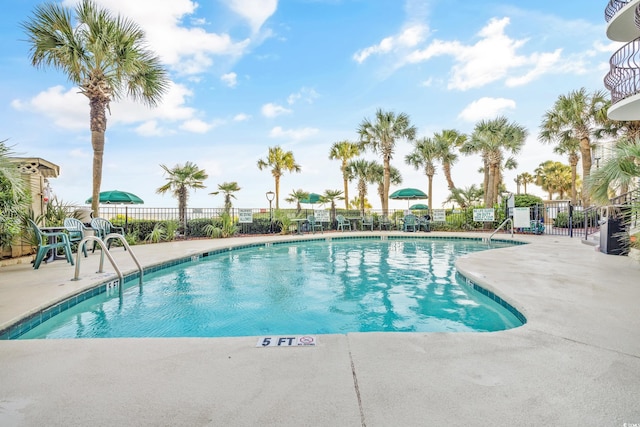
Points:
(227, 188)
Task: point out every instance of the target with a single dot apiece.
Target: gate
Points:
(561, 218)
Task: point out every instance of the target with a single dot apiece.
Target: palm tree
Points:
(279, 161)
(330, 196)
(395, 178)
(424, 154)
(575, 116)
(102, 54)
(363, 170)
(571, 146)
(552, 177)
(180, 180)
(526, 178)
(490, 138)
(447, 141)
(518, 181)
(227, 188)
(344, 151)
(14, 197)
(619, 171)
(356, 203)
(465, 197)
(380, 136)
(295, 197)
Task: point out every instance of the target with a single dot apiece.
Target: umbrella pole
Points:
(126, 218)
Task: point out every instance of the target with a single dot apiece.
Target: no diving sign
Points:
(287, 341)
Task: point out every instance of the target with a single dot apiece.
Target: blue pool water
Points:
(311, 287)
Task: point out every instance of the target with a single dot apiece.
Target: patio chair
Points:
(103, 228)
(75, 230)
(367, 221)
(50, 241)
(410, 222)
(424, 222)
(313, 225)
(343, 223)
(384, 221)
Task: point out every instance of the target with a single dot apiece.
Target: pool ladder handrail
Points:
(105, 250)
(499, 227)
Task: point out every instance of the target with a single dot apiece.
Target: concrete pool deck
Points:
(575, 362)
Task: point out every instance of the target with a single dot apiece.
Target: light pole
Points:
(270, 196)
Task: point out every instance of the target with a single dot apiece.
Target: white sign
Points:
(321, 215)
(245, 216)
(484, 215)
(439, 215)
(521, 217)
(287, 341)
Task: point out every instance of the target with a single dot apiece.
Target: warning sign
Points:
(287, 341)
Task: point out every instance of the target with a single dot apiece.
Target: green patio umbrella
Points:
(419, 207)
(312, 199)
(117, 197)
(408, 194)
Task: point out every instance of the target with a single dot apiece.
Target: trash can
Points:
(614, 237)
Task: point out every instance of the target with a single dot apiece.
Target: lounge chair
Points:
(50, 241)
(313, 225)
(367, 221)
(103, 228)
(75, 229)
(343, 223)
(411, 222)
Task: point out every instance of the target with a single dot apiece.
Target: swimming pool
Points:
(305, 287)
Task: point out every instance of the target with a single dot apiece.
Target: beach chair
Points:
(50, 241)
(367, 221)
(103, 228)
(313, 225)
(343, 223)
(75, 230)
(410, 223)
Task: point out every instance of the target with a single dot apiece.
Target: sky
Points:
(247, 75)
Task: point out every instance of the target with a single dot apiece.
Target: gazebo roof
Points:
(32, 165)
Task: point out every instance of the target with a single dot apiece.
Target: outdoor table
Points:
(354, 221)
(299, 222)
(53, 256)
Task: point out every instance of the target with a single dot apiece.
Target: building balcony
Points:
(623, 80)
(622, 20)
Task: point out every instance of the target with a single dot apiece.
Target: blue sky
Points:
(252, 74)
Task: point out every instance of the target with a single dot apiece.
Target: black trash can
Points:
(614, 236)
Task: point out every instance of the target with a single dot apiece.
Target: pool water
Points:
(311, 287)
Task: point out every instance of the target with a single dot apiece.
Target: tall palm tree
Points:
(448, 141)
(552, 176)
(227, 188)
(491, 138)
(618, 171)
(102, 54)
(279, 161)
(518, 181)
(362, 170)
(295, 197)
(465, 197)
(180, 180)
(526, 178)
(344, 151)
(425, 152)
(380, 136)
(575, 116)
(395, 178)
(571, 146)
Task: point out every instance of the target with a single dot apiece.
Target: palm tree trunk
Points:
(346, 184)
(277, 179)
(430, 177)
(446, 169)
(585, 152)
(98, 125)
(387, 183)
(182, 208)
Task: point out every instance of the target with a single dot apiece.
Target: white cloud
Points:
(409, 37)
(68, 110)
(150, 128)
(293, 134)
(241, 117)
(273, 110)
(230, 79)
(196, 126)
(486, 108)
(306, 94)
(256, 12)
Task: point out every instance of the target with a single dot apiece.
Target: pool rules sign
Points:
(287, 341)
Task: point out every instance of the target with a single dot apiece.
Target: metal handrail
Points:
(105, 250)
(500, 226)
